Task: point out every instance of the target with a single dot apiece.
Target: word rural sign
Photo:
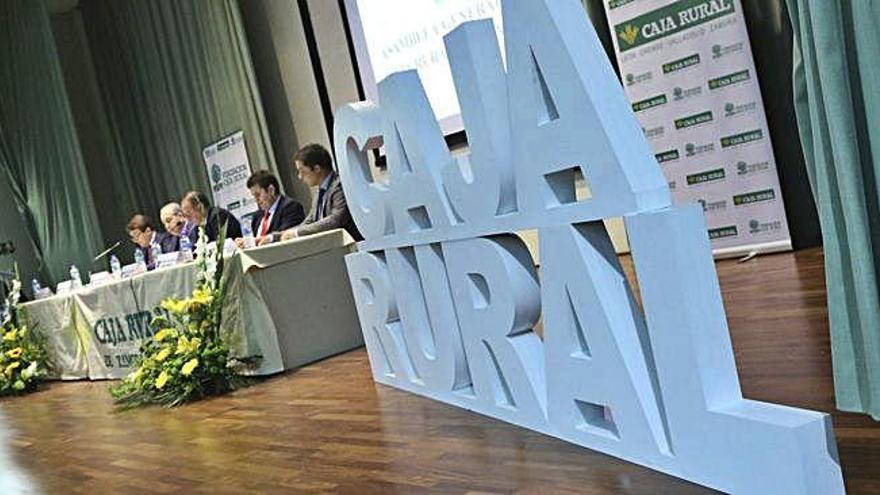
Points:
(113, 321)
(671, 19)
(125, 332)
(448, 297)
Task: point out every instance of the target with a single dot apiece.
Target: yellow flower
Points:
(174, 305)
(11, 367)
(161, 380)
(14, 353)
(186, 346)
(10, 335)
(163, 354)
(165, 332)
(202, 296)
(188, 368)
(136, 376)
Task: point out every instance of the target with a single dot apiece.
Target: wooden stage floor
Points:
(328, 428)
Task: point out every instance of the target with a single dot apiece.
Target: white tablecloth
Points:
(289, 303)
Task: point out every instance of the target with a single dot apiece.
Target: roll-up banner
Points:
(228, 171)
(688, 70)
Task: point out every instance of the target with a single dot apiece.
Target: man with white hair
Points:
(172, 218)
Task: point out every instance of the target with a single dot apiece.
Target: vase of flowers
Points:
(23, 356)
(187, 358)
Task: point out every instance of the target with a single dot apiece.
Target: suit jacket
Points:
(148, 252)
(288, 214)
(193, 235)
(216, 218)
(334, 214)
(170, 243)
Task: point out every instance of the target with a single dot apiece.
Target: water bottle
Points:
(155, 252)
(35, 286)
(139, 259)
(116, 266)
(186, 248)
(247, 233)
(75, 279)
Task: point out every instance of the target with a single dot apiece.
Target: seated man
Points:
(141, 232)
(277, 212)
(172, 218)
(198, 210)
(314, 166)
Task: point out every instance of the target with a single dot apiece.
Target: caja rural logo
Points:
(629, 34)
(669, 20)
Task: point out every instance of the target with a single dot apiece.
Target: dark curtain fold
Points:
(837, 96)
(175, 76)
(39, 151)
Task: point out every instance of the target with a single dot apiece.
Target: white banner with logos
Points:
(687, 68)
(228, 171)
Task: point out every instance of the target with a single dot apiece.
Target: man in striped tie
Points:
(277, 212)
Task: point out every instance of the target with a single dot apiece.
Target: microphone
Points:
(107, 251)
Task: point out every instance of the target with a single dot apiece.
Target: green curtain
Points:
(837, 96)
(174, 76)
(39, 151)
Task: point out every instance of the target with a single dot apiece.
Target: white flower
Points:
(15, 293)
(30, 371)
(211, 267)
(203, 237)
(207, 258)
(11, 302)
(201, 251)
(201, 247)
(202, 255)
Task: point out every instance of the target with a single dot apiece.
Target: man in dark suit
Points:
(277, 212)
(175, 224)
(314, 166)
(198, 210)
(144, 236)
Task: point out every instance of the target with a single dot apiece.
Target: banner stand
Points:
(688, 71)
(228, 169)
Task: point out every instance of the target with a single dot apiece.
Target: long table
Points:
(288, 303)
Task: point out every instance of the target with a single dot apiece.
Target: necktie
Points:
(264, 225)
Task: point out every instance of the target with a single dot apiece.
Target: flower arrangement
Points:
(187, 358)
(23, 356)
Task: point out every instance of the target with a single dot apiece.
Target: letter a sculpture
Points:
(448, 296)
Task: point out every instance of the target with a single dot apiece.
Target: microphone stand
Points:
(107, 251)
(103, 255)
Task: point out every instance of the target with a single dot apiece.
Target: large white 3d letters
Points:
(449, 298)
